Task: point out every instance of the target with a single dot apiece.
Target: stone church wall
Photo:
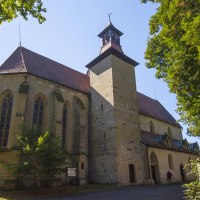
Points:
(159, 126)
(178, 158)
(23, 106)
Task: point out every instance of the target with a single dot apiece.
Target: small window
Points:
(82, 165)
(151, 127)
(169, 133)
(170, 161)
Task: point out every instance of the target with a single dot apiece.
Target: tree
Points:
(11, 9)
(192, 191)
(173, 49)
(41, 158)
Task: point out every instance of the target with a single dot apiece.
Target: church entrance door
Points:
(131, 173)
(154, 168)
(182, 172)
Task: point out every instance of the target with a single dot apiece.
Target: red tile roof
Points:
(24, 60)
(153, 108)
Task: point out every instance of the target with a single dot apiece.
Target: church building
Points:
(112, 133)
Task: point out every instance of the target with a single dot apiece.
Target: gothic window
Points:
(38, 112)
(151, 127)
(169, 132)
(5, 118)
(170, 162)
(64, 125)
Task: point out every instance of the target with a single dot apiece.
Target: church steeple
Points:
(110, 37)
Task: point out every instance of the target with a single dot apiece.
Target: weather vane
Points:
(109, 14)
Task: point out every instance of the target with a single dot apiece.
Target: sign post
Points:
(69, 172)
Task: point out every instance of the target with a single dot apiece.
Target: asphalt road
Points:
(158, 192)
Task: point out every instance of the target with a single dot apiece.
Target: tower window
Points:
(5, 118)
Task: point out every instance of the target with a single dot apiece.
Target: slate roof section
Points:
(153, 108)
(26, 61)
(150, 139)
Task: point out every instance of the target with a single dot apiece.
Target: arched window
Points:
(151, 127)
(154, 168)
(170, 162)
(64, 125)
(169, 133)
(5, 118)
(153, 159)
(38, 112)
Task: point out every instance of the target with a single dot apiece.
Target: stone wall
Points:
(178, 158)
(54, 96)
(103, 162)
(115, 134)
(159, 126)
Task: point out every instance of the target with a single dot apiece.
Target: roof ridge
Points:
(23, 61)
(8, 58)
(13, 70)
(61, 65)
(148, 97)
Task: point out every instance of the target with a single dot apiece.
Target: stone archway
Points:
(154, 168)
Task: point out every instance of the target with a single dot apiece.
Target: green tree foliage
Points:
(174, 51)
(192, 191)
(41, 158)
(11, 9)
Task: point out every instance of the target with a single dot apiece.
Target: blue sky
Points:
(69, 36)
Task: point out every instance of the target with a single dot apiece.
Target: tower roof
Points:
(110, 38)
(110, 26)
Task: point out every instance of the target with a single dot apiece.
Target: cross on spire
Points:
(109, 14)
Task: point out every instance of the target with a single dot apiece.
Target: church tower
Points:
(115, 148)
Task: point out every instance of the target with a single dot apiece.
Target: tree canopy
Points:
(173, 49)
(11, 9)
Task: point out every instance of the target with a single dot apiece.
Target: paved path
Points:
(158, 192)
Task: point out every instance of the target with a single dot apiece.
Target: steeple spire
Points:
(110, 37)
